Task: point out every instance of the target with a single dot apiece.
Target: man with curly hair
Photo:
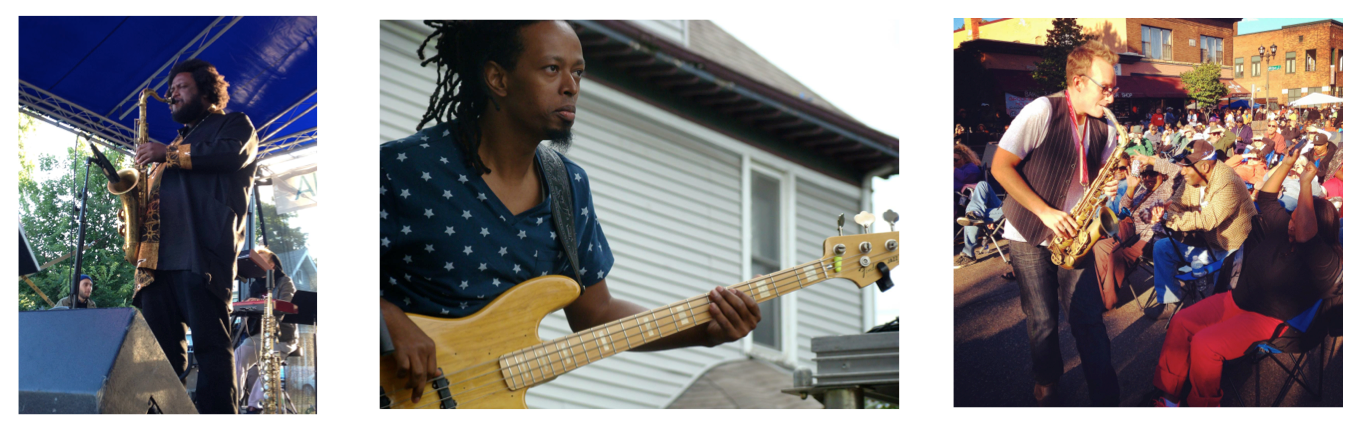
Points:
(194, 226)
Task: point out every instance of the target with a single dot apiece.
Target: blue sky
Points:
(1247, 26)
(1251, 25)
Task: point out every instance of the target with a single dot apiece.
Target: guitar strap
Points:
(562, 202)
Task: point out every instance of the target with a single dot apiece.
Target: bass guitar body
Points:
(469, 348)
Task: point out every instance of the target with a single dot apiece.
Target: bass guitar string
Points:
(777, 282)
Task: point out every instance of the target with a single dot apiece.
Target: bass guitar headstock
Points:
(864, 258)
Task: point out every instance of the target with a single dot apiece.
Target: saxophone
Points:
(130, 187)
(271, 363)
(1092, 219)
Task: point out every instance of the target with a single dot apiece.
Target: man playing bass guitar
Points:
(465, 209)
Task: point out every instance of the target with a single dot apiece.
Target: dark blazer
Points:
(203, 197)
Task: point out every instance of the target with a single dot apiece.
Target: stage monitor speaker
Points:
(94, 361)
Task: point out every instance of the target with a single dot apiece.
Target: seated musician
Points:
(247, 353)
(82, 299)
(1291, 263)
(465, 213)
(1211, 209)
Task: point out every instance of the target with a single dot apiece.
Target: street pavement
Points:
(993, 366)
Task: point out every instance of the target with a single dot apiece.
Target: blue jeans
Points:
(1045, 288)
(986, 203)
(1169, 254)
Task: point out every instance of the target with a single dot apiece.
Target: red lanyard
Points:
(1078, 140)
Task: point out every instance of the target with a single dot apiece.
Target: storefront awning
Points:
(1016, 82)
(1151, 87)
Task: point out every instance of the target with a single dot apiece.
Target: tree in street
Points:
(1061, 39)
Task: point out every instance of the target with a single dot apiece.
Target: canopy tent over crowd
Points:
(83, 74)
(1316, 99)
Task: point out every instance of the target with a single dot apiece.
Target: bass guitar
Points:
(489, 359)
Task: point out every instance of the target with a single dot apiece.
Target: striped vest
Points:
(1052, 166)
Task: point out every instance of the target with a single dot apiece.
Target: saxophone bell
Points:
(1093, 220)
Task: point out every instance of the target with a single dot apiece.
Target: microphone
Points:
(109, 171)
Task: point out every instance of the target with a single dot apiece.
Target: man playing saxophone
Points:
(1051, 154)
(193, 225)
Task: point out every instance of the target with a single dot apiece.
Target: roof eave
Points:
(740, 96)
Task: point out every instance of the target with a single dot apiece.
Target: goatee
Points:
(190, 113)
(560, 139)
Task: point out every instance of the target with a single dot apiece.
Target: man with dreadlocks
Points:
(465, 213)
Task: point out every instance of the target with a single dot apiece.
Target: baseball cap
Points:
(1197, 152)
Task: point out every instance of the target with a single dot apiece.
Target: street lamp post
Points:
(1264, 53)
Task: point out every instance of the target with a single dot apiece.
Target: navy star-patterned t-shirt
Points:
(449, 246)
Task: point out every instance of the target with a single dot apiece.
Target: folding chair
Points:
(1296, 346)
(990, 237)
(1145, 263)
(1197, 288)
(987, 237)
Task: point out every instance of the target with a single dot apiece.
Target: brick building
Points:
(1153, 54)
(1310, 57)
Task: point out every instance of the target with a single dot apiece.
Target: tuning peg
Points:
(840, 224)
(865, 220)
(891, 217)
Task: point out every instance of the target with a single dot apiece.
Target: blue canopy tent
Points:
(1240, 104)
(84, 73)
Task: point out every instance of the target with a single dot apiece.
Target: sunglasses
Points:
(1106, 92)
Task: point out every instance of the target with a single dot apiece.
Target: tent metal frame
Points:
(163, 72)
(52, 108)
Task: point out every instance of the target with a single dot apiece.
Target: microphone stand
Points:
(80, 236)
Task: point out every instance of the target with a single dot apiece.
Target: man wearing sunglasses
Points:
(1047, 159)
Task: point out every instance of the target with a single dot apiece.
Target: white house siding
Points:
(833, 307)
(676, 30)
(670, 207)
(667, 192)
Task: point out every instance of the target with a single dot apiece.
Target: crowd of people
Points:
(1192, 193)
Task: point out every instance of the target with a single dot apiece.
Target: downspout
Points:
(869, 293)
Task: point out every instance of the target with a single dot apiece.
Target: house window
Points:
(1291, 62)
(1293, 94)
(1156, 43)
(1309, 60)
(1213, 50)
(1257, 65)
(1340, 60)
(1238, 67)
(766, 251)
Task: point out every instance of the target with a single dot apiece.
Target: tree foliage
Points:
(282, 236)
(1203, 84)
(49, 213)
(1060, 41)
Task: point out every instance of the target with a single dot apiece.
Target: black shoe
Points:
(962, 261)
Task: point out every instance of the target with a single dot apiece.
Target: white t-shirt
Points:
(1026, 133)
